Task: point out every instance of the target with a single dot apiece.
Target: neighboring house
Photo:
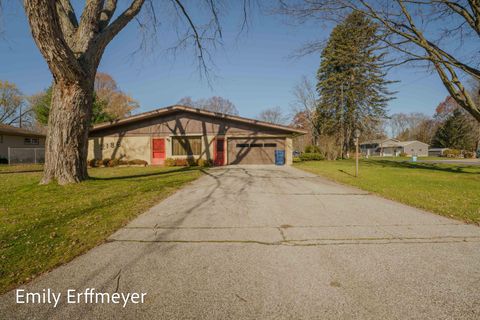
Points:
(393, 148)
(25, 146)
(185, 132)
(437, 152)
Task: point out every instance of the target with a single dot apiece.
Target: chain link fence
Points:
(26, 155)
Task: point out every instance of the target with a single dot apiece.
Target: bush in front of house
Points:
(182, 162)
(403, 154)
(137, 162)
(296, 159)
(3, 161)
(312, 156)
(95, 163)
(206, 163)
(169, 162)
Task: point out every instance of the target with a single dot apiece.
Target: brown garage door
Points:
(253, 151)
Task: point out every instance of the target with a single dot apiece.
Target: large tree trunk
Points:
(67, 137)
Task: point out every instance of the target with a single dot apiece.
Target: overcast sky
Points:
(252, 70)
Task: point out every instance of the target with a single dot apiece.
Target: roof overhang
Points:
(179, 108)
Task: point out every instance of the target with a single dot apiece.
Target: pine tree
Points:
(456, 132)
(351, 81)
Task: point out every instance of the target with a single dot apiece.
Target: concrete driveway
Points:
(265, 242)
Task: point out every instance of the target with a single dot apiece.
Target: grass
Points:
(42, 227)
(447, 189)
(5, 168)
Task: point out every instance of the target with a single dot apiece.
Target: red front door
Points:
(219, 155)
(158, 151)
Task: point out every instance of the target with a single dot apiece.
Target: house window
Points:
(255, 145)
(270, 145)
(186, 146)
(242, 145)
(31, 141)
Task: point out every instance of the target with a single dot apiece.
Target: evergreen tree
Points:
(456, 132)
(41, 108)
(351, 81)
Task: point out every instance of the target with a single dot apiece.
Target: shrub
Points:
(296, 159)
(3, 160)
(313, 156)
(452, 153)
(138, 162)
(205, 163)
(113, 163)
(105, 162)
(192, 161)
(169, 162)
(468, 154)
(181, 162)
(403, 154)
(93, 163)
(312, 149)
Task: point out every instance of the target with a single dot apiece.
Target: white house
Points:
(393, 148)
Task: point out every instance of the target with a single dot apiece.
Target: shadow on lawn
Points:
(423, 166)
(347, 173)
(21, 171)
(142, 175)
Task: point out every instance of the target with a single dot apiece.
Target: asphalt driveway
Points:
(266, 242)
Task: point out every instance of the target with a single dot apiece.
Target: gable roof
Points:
(391, 142)
(14, 131)
(379, 141)
(406, 143)
(179, 108)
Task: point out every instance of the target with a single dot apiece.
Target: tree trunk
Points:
(67, 138)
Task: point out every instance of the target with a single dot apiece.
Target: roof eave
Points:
(176, 108)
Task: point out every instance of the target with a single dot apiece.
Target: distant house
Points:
(393, 148)
(436, 152)
(24, 145)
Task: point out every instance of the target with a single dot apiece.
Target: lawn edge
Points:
(33, 277)
(470, 222)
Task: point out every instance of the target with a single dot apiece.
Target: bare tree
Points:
(404, 126)
(409, 28)
(304, 108)
(214, 104)
(118, 104)
(73, 48)
(13, 110)
(273, 115)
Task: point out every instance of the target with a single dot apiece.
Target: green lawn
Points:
(20, 168)
(449, 190)
(44, 226)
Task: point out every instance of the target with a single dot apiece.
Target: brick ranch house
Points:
(185, 132)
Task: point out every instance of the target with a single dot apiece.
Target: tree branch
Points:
(121, 21)
(107, 13)
(68, 20)
(47, 33)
